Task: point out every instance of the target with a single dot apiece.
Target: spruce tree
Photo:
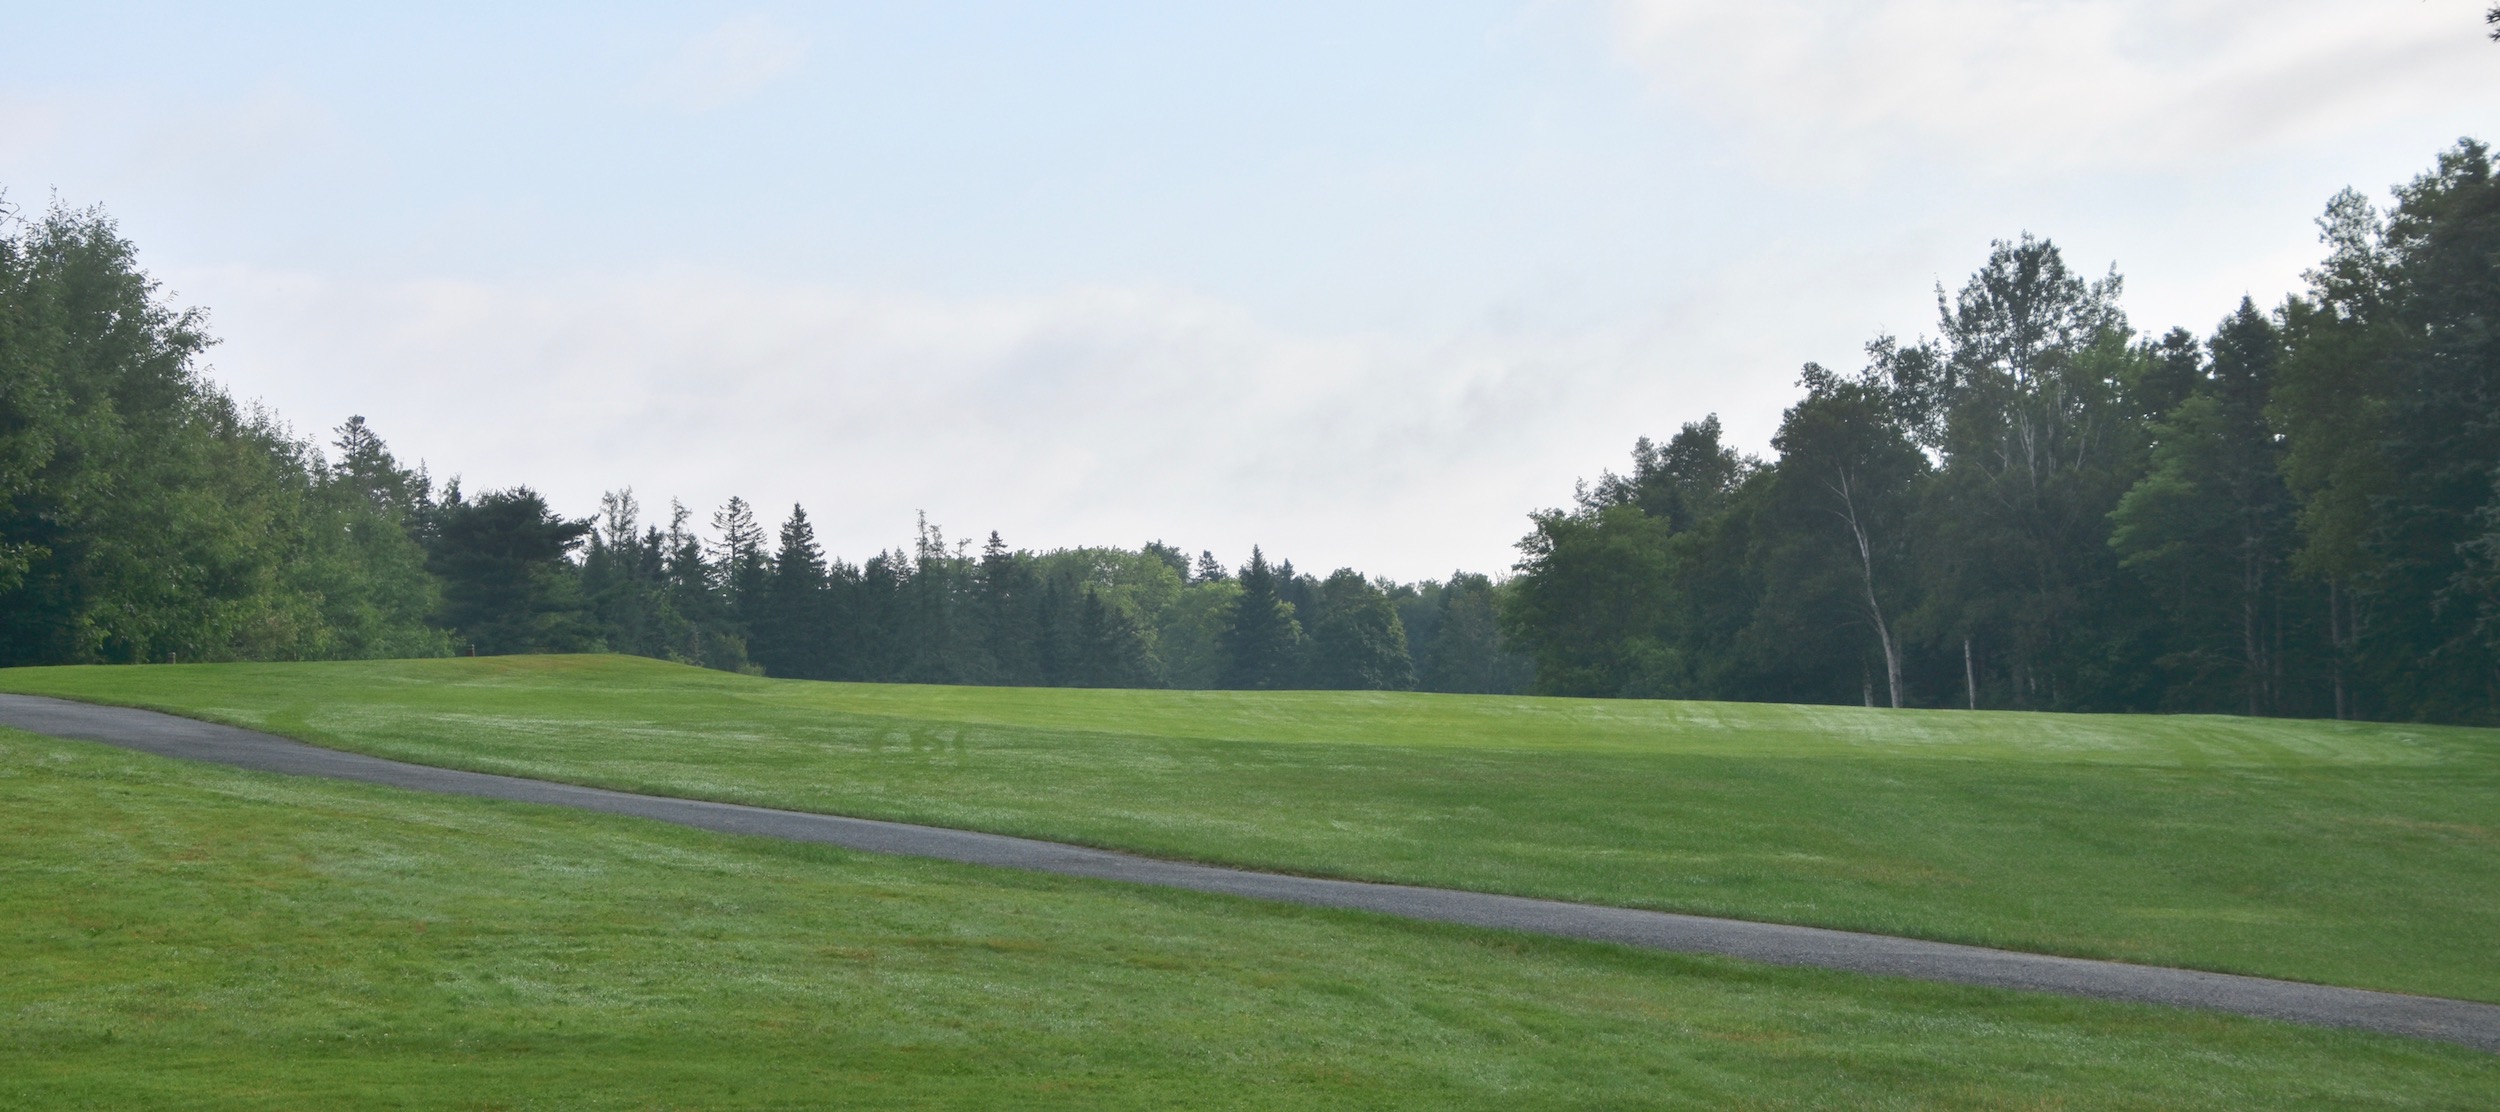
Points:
(2210, 530)
(1009, 615)
(694, 597)
(791, 634)
(740, 561)
(1261, 640)
(507, 585)
(1111, 650)
(1468, 654)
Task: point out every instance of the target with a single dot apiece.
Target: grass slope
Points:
(2344, 853)
(185, 936)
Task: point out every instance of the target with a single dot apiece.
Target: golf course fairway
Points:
(181, 935)
(2355, 854)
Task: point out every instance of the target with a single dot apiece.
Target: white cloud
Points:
(1099, 406)
(2055, 85)
(726, 64)
(1091, 416)
(211, 144)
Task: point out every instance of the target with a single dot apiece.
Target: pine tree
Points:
(507, 585)
(741, 562)
(1468, 654)
(366, 466)
(694, 596)
(1110, 649)
(2210, 527)
(1009, 615)
(1261, 640)
(791, 635)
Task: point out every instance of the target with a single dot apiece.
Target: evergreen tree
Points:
(2421, 643)
(1058, 637)
(2210, 527)
(1467, 653)
(694, 596)
(1261, 639)
(507, 585)
(792, 636)
(620, 579)
(1010, 614)
(876, 636)
(741, 562)
(366, 467)
(1110, 650)
(945, 635)
(1301, 596)
(362, 556)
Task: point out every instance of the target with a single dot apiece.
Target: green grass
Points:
(2344, 853)
(186, 936)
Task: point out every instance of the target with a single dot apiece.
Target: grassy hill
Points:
(186, 936)
(2346, 853)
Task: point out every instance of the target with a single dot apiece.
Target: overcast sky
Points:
(1362, 283)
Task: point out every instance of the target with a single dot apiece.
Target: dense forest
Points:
(2294, 513)
(145, 517)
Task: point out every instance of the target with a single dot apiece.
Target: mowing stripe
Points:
(2457, 1021)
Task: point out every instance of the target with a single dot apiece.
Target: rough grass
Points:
(187, 936)
(2345, 853)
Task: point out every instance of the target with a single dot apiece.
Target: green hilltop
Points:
(186, 936)
(2348, 853)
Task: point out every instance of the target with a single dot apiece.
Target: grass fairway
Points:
(186, 936)
(2352, 854)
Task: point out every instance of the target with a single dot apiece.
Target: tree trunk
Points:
(1970, 674)
(1866, 578)
(2335, 641)
(2248, 646)
(2252, 640)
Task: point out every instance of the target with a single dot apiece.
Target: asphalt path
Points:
(2457, 1021)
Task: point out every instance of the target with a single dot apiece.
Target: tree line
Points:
(2295, 513)
(940, 612)
(146, 517)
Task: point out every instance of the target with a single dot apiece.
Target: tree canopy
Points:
(2295, 511)
(2043, 508)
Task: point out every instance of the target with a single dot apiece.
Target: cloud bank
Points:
(2052, 85)
(1089, 416)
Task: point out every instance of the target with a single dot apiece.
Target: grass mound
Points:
(186, 936)
(2346, 853)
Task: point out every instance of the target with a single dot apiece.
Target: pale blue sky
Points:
(1363, 283)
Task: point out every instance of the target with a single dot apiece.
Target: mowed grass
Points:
(2343, 853)
(187, 936)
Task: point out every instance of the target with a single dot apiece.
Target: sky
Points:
(1362, 284)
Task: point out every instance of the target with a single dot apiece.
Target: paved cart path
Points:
(2458, 1021)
